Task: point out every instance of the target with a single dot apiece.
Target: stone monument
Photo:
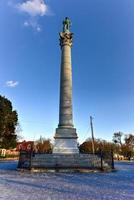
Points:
(66, 136)
(65, 156)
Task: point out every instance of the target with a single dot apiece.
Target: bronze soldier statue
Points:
(66, 25)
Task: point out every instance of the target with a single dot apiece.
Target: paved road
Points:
(16, 185)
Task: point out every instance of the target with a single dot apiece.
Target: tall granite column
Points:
(65, 136)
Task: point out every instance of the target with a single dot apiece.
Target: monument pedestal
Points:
(65, 141)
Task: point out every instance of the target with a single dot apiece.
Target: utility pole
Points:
(92, 133)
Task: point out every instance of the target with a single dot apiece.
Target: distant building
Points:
(25, 146)
(3, 152)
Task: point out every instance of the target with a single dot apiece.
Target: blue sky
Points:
(102, 61)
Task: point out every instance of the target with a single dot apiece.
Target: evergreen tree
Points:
(8, 123)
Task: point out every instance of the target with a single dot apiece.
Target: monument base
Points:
(62, 162)
(65, 141)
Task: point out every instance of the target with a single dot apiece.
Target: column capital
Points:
(66, 39)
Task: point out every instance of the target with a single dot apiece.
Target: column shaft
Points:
(65, 110)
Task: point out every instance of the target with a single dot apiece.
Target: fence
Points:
(106, 157)
(25, 159)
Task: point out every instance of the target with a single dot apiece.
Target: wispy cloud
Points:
(33, 7)
(34, 10)
(32, 23)
(12, 84)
